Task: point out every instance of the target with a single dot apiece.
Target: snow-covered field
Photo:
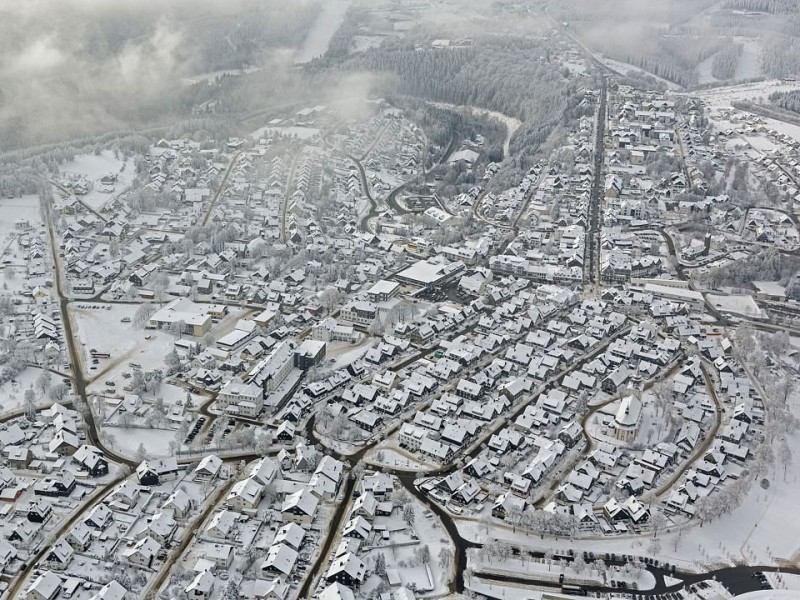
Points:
(12, 393)
(101, 328)
(740, 305)
(94, 167)
(723, 97)
(127, 440)
(12, 210)
(319, 36)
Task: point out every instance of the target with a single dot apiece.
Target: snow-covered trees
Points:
(409, 514)
(143, 314)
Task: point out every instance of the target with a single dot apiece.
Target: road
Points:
(592, 252)
(79, 381)
(220, 189)
(710, 436)
(364, 223)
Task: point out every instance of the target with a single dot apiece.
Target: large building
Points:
(628, 419)
(246, 399)
(430, 272)
(274, 369)
(193, 319)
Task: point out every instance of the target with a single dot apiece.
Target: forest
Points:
(787, 100)
(510, 75)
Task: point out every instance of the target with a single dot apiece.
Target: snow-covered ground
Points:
(12, 210)
(94, 167)
(552, 570)
(12, 393)
(722, 97)
(101, 328)
(740, 305)
(385, 455)
(319, 36)
(401, 550)
(126, 440)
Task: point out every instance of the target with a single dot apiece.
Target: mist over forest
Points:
(74, 68)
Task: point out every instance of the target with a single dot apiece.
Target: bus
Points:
(101, 355)
(573, 590)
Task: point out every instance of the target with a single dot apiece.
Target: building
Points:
(45, 587)
(185, 316)
(347, 569)
(431, 272)
(383, 290)
(242, 398)
(309, 354)
(359, 312)
(274, 369)
(153, 472)
(628, 419)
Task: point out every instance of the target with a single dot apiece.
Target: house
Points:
(309, 354)
(264, 471)
(99, 517)
(245, 495)
(347, 569)
(152, 472)
(64, 443)
(60, 555)
(221, 555)
(91, 459)
(143, 553)
(290, 534)
(45, 587)
(80, 537)
(60, 486)
(507, 504)
(201, 586)
(39, 511)
(161, 527)
(111, 591)
(179, 503)
(280, 560)
(208, 468)
(336, 591)
(262, 589)
(23, 534)
(126, 494)
(300, 507)
(357, 527)
(221, 524)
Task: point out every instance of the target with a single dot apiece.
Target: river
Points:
(320, 35)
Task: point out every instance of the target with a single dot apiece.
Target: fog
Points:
(74, 67)
(81, 67)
